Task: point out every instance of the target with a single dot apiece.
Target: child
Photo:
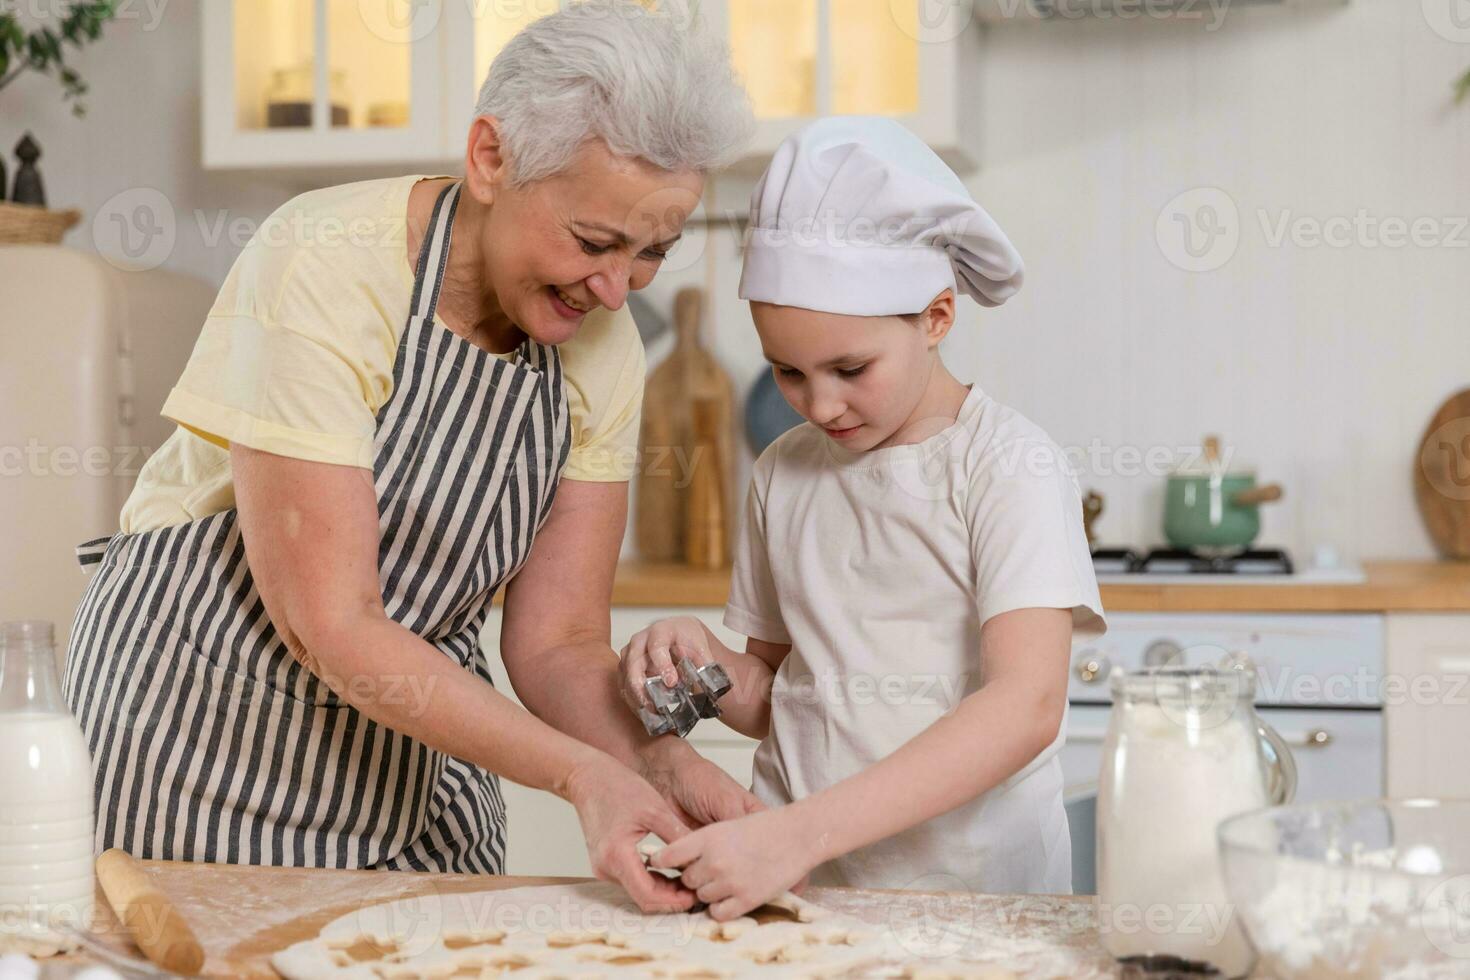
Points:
(912, 565)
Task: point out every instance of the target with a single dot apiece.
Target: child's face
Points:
(859, 378)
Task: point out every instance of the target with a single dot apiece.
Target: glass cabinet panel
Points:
(875, 57)
(774, 46)
(496, 22)
(275, 63)
(370, 51)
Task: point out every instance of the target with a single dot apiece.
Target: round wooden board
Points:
(1442, 477)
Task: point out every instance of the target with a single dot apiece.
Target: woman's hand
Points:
(652, 652)
(617, 810)
(739, 865)
(700, 792)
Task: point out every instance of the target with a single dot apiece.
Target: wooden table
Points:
(243, 914)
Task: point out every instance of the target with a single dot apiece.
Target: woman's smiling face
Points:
(559, 248)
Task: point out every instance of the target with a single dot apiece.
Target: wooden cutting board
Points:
(669, 441)
(1442, 477)
(244, 914)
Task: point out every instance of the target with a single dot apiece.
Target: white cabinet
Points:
(543, 835)
(1427, 708)
(803, 59)
(308, 83)
(346, 85)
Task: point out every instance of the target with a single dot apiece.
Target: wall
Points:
(1318, 364)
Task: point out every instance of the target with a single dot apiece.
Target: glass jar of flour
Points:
(46, 814)
(1184, 750)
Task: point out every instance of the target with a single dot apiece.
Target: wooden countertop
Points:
(241, 915)
(1390, 586)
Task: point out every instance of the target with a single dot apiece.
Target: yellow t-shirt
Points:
(296, 357)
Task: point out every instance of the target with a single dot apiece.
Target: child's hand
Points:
(651, 652)
(738, 865)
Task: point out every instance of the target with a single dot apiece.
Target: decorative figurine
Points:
(28, 186)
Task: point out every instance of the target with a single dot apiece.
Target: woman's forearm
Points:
(574, 687)
(934, 772)
(399, 680)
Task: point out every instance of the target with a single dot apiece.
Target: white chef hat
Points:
(857, 215)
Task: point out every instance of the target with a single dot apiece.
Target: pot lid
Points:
(1212, 462)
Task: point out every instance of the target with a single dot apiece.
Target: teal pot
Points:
(1209, 509)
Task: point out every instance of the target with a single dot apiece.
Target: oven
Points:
(1318, 680)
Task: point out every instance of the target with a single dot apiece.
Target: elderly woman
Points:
(409, 393)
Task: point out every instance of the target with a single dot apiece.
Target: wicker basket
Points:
(28, 224)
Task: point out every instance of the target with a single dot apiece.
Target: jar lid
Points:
(1188, 687)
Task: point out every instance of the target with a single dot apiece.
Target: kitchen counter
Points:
(243, 914)
(1389, 586)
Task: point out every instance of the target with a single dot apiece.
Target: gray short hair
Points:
(653, 85)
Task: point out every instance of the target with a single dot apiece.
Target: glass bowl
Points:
(1374, 888)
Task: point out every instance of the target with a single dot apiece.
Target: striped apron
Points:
(212, 743)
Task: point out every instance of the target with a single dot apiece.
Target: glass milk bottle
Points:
(46, 816)
(1184, 750)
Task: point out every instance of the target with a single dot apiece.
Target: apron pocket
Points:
(309, 691)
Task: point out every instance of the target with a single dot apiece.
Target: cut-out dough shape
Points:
(592, 931)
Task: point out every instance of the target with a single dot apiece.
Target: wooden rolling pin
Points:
(155, 924)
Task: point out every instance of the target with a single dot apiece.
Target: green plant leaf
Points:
(41, 50)
(1462, 88)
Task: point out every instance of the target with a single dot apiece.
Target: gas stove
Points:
(1256, 566)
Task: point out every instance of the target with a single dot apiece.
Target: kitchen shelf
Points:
(1389, 586)
(316, 86)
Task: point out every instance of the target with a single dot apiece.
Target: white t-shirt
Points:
(880, 568)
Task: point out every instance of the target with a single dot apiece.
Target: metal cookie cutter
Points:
(677, 709)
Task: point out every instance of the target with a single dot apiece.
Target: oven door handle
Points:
(1317, 738)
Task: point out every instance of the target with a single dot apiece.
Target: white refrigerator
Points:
(88, 353)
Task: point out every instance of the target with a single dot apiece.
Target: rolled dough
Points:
(581, 930)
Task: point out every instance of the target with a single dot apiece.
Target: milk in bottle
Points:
(46, 843)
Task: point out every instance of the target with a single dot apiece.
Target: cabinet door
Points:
(325, 83)
(1427, 710)
(803, 59)
(475, 32)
